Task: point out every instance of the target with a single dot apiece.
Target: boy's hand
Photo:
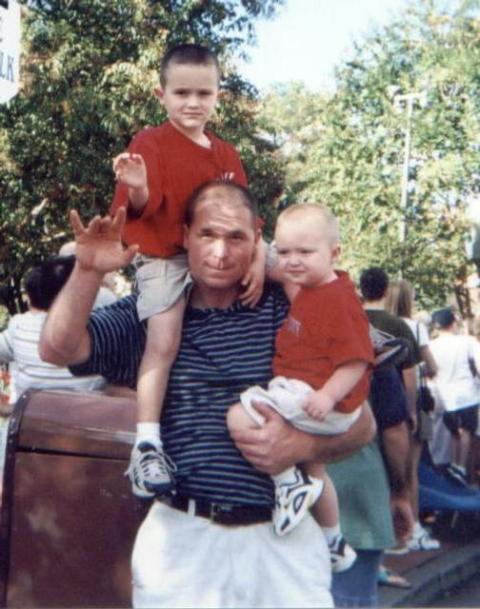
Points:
(318, 404)
(98, 245)
(130, 169)
(253, 283)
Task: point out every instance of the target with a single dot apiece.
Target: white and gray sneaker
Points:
(150, 471)
(292, 501)
(422, 540)
(342, 555)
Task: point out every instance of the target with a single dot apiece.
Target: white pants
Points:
(286, 396)
(182, 560)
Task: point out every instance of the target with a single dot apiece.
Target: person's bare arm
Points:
(130, 169)
(6, 349)
(410, 382)
(277, 445)
(430, 363)
(319, 403)
(395, 443)
(65, 339)
(255, 277)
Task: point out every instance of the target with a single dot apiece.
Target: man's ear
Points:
(158, 92)
(186, 232)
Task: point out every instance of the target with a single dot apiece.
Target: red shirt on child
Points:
(326, 327)
(175, 167)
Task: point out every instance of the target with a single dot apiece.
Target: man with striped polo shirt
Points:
(211, 544)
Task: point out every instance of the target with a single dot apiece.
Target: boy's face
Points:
(305, 253)
(189, 96)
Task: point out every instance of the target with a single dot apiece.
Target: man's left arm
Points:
(277, 445)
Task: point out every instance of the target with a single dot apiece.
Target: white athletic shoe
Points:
(292, 500)
(150, 471)
(342, 555)
(422, 540)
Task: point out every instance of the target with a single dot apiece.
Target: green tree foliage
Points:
(355, 162)
(89, 68)
(292, 117)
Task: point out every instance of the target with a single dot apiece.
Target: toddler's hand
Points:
(130, 169)
(253, 283)
(318, 404)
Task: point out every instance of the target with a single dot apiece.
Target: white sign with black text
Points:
(9, 49)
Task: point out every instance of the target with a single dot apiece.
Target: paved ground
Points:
(466, 594)
(431, 574)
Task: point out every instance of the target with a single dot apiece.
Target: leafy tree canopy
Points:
(355, 160)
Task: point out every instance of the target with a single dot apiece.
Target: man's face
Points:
(221, 240)
(189, 96)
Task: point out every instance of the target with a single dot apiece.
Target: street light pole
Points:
(406, 101)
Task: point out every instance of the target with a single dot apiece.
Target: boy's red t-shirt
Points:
(326, 327)
(175, 167)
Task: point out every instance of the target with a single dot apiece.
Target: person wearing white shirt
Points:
(19, 341)
(456, 388)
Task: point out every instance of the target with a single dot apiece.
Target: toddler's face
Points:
(305, 253)
(189, 95)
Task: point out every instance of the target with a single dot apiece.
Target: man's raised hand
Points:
(99, 246)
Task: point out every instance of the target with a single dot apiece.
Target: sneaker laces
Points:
(152, 463)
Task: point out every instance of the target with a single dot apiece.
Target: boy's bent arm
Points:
(277, 445)
(319, 403)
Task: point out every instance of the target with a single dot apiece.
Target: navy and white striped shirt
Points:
(222, 352)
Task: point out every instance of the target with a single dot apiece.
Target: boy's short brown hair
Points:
(188, 53)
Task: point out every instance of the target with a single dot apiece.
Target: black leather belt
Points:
(225, 514)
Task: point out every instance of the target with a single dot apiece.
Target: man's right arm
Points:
(65, 339)
(277, 445)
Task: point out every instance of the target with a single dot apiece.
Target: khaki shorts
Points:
(286, 396)
(161, 282)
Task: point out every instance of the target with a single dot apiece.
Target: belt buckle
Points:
(222, 513)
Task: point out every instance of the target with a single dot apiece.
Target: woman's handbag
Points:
(425, 399)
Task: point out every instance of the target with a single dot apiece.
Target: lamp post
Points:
(406, 101)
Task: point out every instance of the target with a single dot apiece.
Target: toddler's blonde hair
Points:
(314, 210)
